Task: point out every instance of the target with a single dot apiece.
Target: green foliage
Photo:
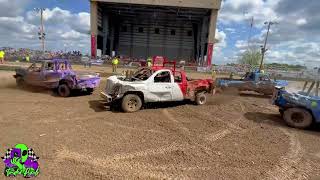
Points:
(251, 57)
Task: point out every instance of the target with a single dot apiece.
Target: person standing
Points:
(213, 74)
(27, 58)
(2, 54)
(149, 61)
(115, 62)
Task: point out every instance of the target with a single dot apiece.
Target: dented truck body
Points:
(298, 109)
(56, 74)
(156, 85)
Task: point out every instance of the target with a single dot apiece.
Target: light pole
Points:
(263, 48)
(41, 32)
(251, 26)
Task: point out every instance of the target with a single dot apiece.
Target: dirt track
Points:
(233, 137)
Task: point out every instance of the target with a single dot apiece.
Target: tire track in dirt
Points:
(179, 124)
(216, 136)
(291, 165)
(118, 125)
(121, 163)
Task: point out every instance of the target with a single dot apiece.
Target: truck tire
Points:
(20, 82)
(64, 90)
(297, 118)
(89, 90)
(201, 98)
(131, 103)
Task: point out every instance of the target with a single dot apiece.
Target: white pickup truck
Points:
(154, 85)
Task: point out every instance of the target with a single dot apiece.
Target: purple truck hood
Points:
(87, 75)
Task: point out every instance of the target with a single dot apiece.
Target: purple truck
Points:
(58, 75)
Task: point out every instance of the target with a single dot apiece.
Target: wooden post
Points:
(305, 86)
(316, 91)
(310, 88)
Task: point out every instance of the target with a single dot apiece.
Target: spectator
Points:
(2, 54)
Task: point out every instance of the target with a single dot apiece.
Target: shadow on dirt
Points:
(265, 118)
(276, 120)
(245, 94)
(100, 106)
(33, 89)
(162, 105)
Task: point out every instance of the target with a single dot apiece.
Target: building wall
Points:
(207, 4)
(136, 44)
(173, 40)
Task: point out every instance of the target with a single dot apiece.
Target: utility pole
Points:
(251, 19)
(41, 32)
(263, 48)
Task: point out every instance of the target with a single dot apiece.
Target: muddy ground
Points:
(232, 137)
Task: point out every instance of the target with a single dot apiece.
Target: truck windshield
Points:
(142, 74)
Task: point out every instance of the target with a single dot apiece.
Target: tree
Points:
(251, 57)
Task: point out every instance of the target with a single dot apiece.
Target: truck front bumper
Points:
(275, 95)
(106, 97)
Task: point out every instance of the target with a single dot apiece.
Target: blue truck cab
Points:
(257, 81)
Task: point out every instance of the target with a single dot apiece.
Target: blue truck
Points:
(252, 81)
(298, 109)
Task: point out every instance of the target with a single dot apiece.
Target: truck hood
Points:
(21, 71)
(87, 75)
(300, 99)
(281, 83)
(112, 81)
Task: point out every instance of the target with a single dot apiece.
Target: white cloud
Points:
(237, 11)
(293, 40)
(301, 21)
(71, 35)
(63, 28)
(12, 8)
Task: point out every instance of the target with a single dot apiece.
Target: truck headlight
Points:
(116, 90)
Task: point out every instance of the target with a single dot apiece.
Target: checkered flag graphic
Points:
(7, 155)
(32, 155)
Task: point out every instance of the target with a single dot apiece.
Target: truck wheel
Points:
(89, 90)
(297, 118)
(281, 111)
(20, 81)
(131, 103)
(201, 98)
(64, 90)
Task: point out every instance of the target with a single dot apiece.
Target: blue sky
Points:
(81, 5)
(294, 40)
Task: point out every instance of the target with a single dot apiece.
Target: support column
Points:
(204, 39)
(105, 33)
(211, 37)
(94, 27)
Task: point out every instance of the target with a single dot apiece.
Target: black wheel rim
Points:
(133, 104)
(63, 91)
(297, 117)
(202, 99)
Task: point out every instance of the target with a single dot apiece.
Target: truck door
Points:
(161, 86)
(180, 86)
(49, 75)
(265, 84)
(33, 75)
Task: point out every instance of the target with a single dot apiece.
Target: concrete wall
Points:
(207, 4)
